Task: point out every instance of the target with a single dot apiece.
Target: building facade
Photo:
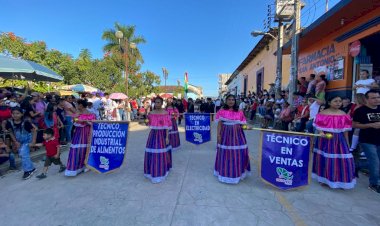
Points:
(340, 43)
(258, 69)
(223, 89)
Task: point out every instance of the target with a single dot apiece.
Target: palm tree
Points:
(113, 45)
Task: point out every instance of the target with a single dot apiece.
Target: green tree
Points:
(144, 83)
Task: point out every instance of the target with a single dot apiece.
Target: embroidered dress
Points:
(158, 159)
(174, 140)
(232, 158)
(78, 148)
(333, 164)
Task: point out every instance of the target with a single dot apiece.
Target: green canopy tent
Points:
(18, 69)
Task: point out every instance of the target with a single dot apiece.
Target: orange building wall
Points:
(267, 60)
(341, 50)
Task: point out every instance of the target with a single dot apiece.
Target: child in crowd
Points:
(21, 132)
(7, 155)
(52, 152)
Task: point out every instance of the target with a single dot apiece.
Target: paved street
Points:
(191, 195)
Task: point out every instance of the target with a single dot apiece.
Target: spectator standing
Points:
(22, 132)
(321, 87)
(311, 86)
(190, 106)
(367, 119)
(69, 112)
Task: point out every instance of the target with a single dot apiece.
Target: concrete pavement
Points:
(191, 195)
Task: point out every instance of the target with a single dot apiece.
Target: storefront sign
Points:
(108, 145)
(198, 128)
(317, 59)
(285, 160)
(355, 48)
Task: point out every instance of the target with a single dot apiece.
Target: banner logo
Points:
(284, 176)
(198, 128)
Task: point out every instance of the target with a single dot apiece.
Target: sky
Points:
(202, 37)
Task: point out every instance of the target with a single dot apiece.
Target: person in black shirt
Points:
(210, 108)
(181, 110)
(346, 104)
(367, 119)
(30, 112)
(21, 132)
(62, 116)
(190, 106)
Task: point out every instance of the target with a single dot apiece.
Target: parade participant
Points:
(232, 159)
(333, 164)
(157, 160)
(77, 154)
(367, 119)
(174, 140)
(51, 144)
(21, 132)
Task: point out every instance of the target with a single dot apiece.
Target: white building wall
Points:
(236, 85)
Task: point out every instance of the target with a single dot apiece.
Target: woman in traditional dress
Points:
(78, 148)
(157, 160)
(232, 159)
(174, 140)
(333, 164)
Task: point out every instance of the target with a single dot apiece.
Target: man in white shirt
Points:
(242, 105)
(365, 83)
(97, 105)
(314, 104)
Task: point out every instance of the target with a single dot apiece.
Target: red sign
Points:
(355, 48)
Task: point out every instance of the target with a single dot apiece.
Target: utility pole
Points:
(278, 81)
(294, 52)
(165, 73)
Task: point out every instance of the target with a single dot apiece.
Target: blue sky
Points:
(202, 37)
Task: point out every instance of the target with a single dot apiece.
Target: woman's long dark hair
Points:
(323, 77)
(83, 102)
(235, 107)
(49, 111)
(26, 103)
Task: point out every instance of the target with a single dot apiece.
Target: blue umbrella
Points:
(18, 69)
